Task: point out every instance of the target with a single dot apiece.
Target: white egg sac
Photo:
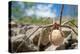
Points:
(56, 37)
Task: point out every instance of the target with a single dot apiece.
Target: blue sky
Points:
(44, 9)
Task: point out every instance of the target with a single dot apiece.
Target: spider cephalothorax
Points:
(56, 26)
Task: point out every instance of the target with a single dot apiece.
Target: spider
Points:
(57, 36)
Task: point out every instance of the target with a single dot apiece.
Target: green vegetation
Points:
(73, 22)
(43, 21)
(34, 20)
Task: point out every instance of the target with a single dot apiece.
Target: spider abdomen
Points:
(56, 37)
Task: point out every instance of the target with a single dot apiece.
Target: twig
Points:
(70, 28)
(74, 24)
(26, 38)
(61, 13)
(39, 41)
(65, 22)
(70, 22)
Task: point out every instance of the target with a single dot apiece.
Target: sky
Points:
(42, 9)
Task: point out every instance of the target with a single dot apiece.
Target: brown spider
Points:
(56, 36)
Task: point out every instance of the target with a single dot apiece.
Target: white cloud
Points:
(29, 12)
(47, 13)
(50, 5)
(41, 10)
(21, 4)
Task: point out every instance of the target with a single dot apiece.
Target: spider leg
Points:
(70, 28)
(70, 22)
